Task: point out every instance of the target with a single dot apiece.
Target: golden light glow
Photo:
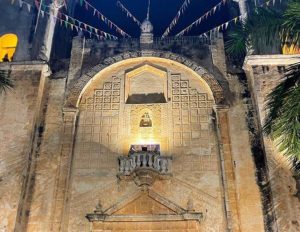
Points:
(290, 49)
(8, 45)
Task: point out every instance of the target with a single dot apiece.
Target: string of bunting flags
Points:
(223, 25)
(68, 21)
(182, 9)
(203, 17)
(108, 22)
(128, 13)
(78, 25)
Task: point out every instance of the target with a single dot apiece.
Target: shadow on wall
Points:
(8, 45)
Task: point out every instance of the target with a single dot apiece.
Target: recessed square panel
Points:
(175, 84)
(176, 91)
(107, 85)
(116, 86)
(176, 105)
(115, 106)
(185, 105)
(184, 84)
(98, 93)
(202, 104)
(176, 98)
(202, 96)
(116, 93)
(107, 93)
(184, 98)
(184, 91)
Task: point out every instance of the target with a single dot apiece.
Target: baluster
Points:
(133, 162)
(150, 162)
(122, 168)
(127, 167)
(158, 162)
(138, 162)
(163, 166)
(144, 160)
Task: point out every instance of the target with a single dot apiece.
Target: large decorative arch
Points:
(75, 88)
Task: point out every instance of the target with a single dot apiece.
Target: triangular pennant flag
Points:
(20, 3)
(66, 24)
(42, 13)
(226, 25)
(28, 7)
(94, 12)
(81, 2)
(76, 28)
(12, 1)
(72, 26)
(67, 18)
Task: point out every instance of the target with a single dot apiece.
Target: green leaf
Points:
(5, 81)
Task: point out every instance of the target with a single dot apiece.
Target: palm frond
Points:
(291, 23)
(264, 26)
(282, 122)
(236, 45)
(5, 81)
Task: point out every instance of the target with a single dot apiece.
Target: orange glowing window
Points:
(8, 45)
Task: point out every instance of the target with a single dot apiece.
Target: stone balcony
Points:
(144, 166)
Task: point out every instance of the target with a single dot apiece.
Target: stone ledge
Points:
(144, 218)
(275, 60)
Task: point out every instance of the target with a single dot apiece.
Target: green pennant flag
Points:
(81, 2)
(66, 24)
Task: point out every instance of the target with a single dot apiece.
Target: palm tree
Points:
(264, 32)
(5, 82)
(260, 33)
(283, 113)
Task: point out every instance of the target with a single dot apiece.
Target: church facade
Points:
(142, 135)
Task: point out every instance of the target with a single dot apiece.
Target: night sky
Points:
(162, 13)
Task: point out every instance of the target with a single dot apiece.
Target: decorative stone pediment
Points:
(146, 84)
(145, 206)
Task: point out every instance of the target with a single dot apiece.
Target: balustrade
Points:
(145, 160)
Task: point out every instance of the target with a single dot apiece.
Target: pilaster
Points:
(63, 171)
(231, 209)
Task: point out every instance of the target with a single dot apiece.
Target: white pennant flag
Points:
(226, 25)
(42, 13)
(20, 3)
(28, 7)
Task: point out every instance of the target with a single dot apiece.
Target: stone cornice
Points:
(270, 60)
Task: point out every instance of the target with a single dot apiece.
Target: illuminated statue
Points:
(146, 121)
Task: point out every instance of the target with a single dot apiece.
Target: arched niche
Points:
(77, 87)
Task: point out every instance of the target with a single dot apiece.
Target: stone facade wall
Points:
(265, 73)
(76, 161)
(182, 126)
(19, 122)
